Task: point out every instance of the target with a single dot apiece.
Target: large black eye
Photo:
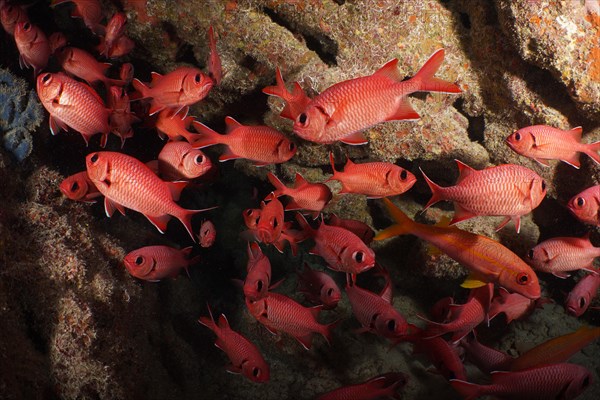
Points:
(391, 325)
(139, 260)
(585, 382)
(46, 78)
(359, 256)
(517, 136)
(580, 201)
(522, 278)
(249, 212)
(403, 174)
(259, 285)
(199, 159)
(197, 78)
(302, 118)
(292, 146)
(329, 292)
(256, 372)
(275, 223)
(74, 187)
(530, 254)
(543, 185)
(26, 26)
(581, 302)
(94, 158)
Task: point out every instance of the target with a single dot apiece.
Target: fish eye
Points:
(74, 187)
(517, 136)
(249, 212)
(403, 174)
(205, 233)
(391, 325)
(581, 302)
(199, 159)
(197, 78)
(530, 254)
(26, 26)
(275, 223)
(139, 260)
(543, 185)
(329, 292)
(259, 285)
(359, 256)
(580, 201)
(585, 382)
(94, 158)
(522, 278)
(256, 372)
(302, 118)
(292, 146)
(46, 78)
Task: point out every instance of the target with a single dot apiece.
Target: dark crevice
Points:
(339, 2)
(37, 339)
(465, 20)
(185, 51)
(325, 47)
(476, 126)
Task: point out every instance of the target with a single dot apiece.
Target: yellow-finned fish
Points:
(486, 259)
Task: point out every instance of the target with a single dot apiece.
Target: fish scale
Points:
(562, 254)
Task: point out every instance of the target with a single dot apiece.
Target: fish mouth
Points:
(571, 310)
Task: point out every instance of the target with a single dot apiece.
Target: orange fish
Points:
(305, 195)
(295, 102)
(79, 187)
(508, 190)
(180, 161)
(582, 294)
(374, 179)
(244, 355)
(83, 65)
(486, 259)
(208, 234)
(127, 182)
(181, 87)
(153, 263)
(72, 104)
(261, 144)
(345, 109)
(88, 10)
(174, 124)
(33, 45)
(121, 116)
(115, 28)
(586, 206)
(542, 142)
(11, 15)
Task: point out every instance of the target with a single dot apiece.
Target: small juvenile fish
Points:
(33, 45)
(295, 102)
(244, 355)
(373, 179)
(126, 73)
(341, 249)
(359, 228)
(280, 313)
(584, 292)
(180, 161)
(174, 124)
(79, 187)
(318, 287)
(586, 206)
(555, 381)
(561, 255)
(72, 104)
(347, 108)
(261, 144)
(83, 65)
(381, 386)
(486, 259)
(88, 10)
(11, 15)
(508, 190)
(115, 28)
(258, 279)
(270, 223)
(543, 142)
(153, 263)
(208, 234)
(181, 87)
(127, 182)
(215, 71)
(305, 195)
(121, 118)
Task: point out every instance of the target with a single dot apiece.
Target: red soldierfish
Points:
(121, 116)
(513, 305)
(318, 287)
(251, 217)
(115, 28)
(556, 381)
(33, 45)
(443, 355)
(174, 124)
(79, 187)
(153, 263)
(215, 71)
(374, 179)
(258, 279)
(57, 41)
(583, 294)
(270, 222)
(305, 195)
(261, 144)
(72, 104)
(208, 234)
(487, 359)
(127, 182)
(341, 249)
(295, 102)
(586, 206)
(345, 109)
(180, 161)
(181, 87)
(381, 386)
(280, 313)
(122, 46)
(80, 63)
(244, 355)
(486, 259)
(560, 255)
(359, 228)
(542, 142)
(89, 10)
(508, 190)
(126, 73)
(11, 15)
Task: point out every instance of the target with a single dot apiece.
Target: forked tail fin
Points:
(185, 216)
(425, 81)
(436, 191)
(403, 223)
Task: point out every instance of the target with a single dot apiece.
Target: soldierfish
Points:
(280, 313)
(381, 386)
(72, 104)
(508, 190)
(258, 278)
(586, 206)
(513, 305)
(443, 355)
(305, 195)
(555, 381)
(121, 117)
(270, 223)
(153, 263)
(56, 41)
(180, 161)
(115, 28)
(174, 124)
(581, 296)
(122, 46)
(487, 359)
(295, 102)
(486, 259)
(11, 15)
(261, 144)
(127, 182)
(181, 87)
(89, 10)
(318, 287)
(207, 234)
(345, 109)
(244, 355)
(543, 142)
(341, 249)
(80, 63)
(215, 71)
(560, 255)
(79, 187)
(33, 45)
(373, 179)
(359, 228)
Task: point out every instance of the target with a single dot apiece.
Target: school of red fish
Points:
(500, 281)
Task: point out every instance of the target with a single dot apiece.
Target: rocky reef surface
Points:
(75, 324)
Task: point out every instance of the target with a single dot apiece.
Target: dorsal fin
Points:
(390, 70)
(299, 180)
(155, 77)
(463, 171)
(231, 124)
(223, 323)
(576, 133)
